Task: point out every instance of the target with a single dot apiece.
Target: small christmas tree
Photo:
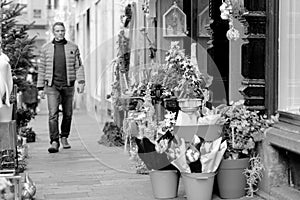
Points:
(16, 43)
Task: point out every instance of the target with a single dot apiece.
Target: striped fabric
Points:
(75, 69)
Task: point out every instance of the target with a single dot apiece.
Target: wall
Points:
(97, 26)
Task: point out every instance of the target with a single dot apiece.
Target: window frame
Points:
(272, 66)
(272, 57)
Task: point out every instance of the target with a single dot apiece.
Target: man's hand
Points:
(42, 94)
(80, 87)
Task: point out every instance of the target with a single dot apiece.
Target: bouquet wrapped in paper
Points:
(212, 154)
(199, 156)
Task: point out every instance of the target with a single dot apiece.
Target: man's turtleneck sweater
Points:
(59, 63)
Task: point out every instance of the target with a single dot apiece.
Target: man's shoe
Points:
(54, 147)
(65, 143)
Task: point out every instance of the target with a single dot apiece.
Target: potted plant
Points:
(147, 134)
(192, 88)
(28, 133)
(184, 80)
(151, 143)
(242, 130)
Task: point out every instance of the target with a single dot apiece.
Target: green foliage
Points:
(243, 129)
(28, 133)
(113, 135)
(23, 117)
(16, 43)
(253, 174)
(183, 79)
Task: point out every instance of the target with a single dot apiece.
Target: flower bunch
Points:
(231, 9)
(173, 67)
(165, 132)
(197, 156)
(183, 78)
(226, 10)
(243, 128)
(193, 83)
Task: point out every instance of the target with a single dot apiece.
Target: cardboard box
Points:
(208, 132)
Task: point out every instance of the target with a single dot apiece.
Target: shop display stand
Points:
(9, 156)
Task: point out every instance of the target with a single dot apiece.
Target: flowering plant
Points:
(242, 129)
(173, 67)
(231, 9)
(193, 84)
(183, 78)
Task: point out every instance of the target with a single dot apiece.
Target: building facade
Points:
(35, 11)
(97, 25)
(43, 13)
(260, 67)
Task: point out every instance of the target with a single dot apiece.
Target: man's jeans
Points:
(64, 96)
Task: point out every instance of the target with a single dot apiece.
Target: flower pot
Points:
(30, 138)
(6, 113)
(198, 186)
(231, 180)
(164, 183)
(171, 104)
(189, 106)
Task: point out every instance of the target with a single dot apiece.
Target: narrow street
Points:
(87, 170)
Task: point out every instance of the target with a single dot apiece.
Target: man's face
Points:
(59, 32)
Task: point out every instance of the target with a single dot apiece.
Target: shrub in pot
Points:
(243, 129)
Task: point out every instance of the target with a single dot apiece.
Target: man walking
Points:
(59, 68)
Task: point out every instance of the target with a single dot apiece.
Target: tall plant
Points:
(16, 43)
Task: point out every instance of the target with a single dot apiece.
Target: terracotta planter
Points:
(164, 183)
(231, 180)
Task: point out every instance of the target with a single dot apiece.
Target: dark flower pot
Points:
(30, 138)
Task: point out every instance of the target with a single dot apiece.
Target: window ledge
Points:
(284, 135)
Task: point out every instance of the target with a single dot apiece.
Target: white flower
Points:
(232, 34)
(162, 146)
(225, 15)
(192, 155)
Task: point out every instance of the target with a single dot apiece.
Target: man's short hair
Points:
(58, 24)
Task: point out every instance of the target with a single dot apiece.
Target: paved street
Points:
(87, 171)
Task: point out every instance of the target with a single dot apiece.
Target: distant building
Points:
(35, 11)
(44, 13)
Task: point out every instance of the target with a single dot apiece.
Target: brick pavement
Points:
(87, 171)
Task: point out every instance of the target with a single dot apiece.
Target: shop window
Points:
(289, 59)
